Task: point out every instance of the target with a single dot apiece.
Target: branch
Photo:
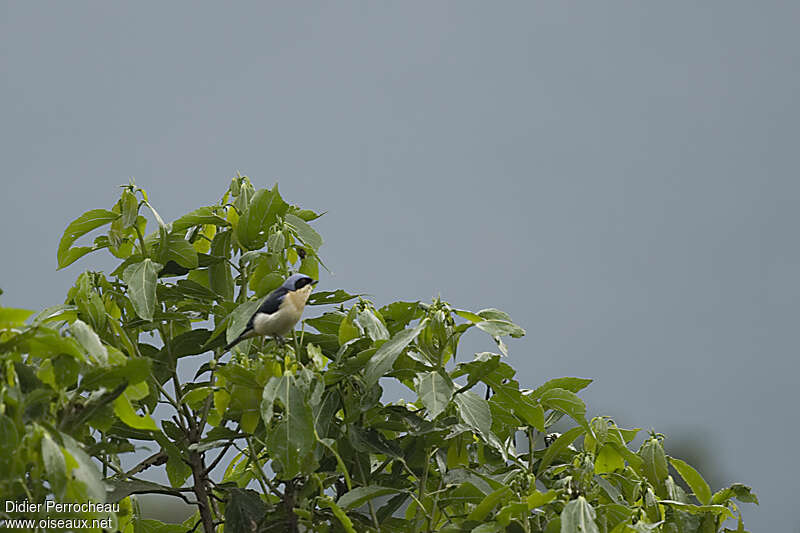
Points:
(156, 459)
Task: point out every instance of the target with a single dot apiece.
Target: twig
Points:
(156, 459)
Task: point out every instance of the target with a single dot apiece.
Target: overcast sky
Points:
(620, 177)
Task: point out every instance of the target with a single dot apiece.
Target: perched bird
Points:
(280, 311)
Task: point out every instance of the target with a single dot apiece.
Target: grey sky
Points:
(620, 177)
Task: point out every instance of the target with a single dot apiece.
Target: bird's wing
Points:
(270, 305)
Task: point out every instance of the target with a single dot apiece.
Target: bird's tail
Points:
(235, 341)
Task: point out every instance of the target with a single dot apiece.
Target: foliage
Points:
(312, 445)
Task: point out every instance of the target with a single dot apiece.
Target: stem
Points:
(288, 499)
(253, 458)
(200, 490)
(158, 458)
(530, 449)
(365, 481)
(141, 240)
(218, 458)
(422, 483)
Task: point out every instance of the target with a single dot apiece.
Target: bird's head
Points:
(295, 282)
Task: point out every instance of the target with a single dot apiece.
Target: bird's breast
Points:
(282, 321)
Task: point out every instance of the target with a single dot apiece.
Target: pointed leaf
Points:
(434, 391)
(55, 464)
(481, 510)
(330, 297)
(125, 411)
(500, 328)
(84, 473)
(141, 280)
(220, 278)
(383, 360)
(78, 227)
(292, 440)
(565, 401)
(203, 215)
(347, 524)
(578, 517)
(570, 384)
(262, 211)
(361, 495)
(655, 463)
(560, 444)
(239, 318)
(693, 478)
(475, 412)
(372, 325)
(90, 341)
(743, 493)
(302, 229)
(243, 511)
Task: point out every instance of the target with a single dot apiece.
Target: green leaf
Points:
(129, 209)
(125, 411)
(578, 517)
(475, 412)
(203, 215)
(243, 511)
(361, 495)
(67, 313)
(434, 391)
(469, 315)
(348, 330)
(383, 360)
(55, 465)
(80, 226)
(90, 342)
(195, 396)
(292, 439)
(494, 314)
(719, 510)
(608, 460)
(177, 469)
(330, 297)
(263, 211)
(84, 481)
(481, 511)
(132, 371)
(560, 444)
(570, 384)
(526, 409)
(347, 524)
(304, 231)
(537, 499)
(500, 328)
(743, 493)
(189, 343)
(309, 266)
(239, 318)
(655, 463)
(141, 280)
(372, 325)
(219, 273)
(10, 317)
(565, 401)
(693, 478)
(268, 398)
(327, 323)
(177, 248)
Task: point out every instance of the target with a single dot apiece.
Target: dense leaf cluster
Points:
(305, 439)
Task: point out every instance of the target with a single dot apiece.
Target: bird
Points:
(280, 310)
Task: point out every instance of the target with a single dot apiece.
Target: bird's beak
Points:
(315, 282)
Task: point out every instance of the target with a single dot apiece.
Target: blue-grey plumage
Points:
(280, 310)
